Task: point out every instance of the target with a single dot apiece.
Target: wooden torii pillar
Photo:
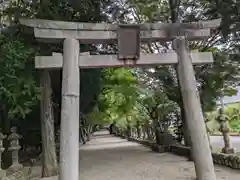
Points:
(100, 33)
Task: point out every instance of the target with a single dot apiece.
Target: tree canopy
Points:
(121, 94)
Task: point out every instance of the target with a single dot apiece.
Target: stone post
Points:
(138, 127)
(69, 136)
(2, 137)
(143, 132)
(120, 132)
(14, 148)
(134, 132)
(224, 129)
(201, 151)
(131, 132)
(129, 129)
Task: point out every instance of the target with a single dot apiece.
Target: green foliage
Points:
(156, 105)
(150, 10)
(126, 97)
(118, 98)
(214, 80)
(217, 79)
(233, 114)
(19, 90)
(125, 102)
(84, 11)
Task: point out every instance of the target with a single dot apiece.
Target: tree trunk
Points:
(157, 131)
(165, 127)
(49, 157)
(157, 135)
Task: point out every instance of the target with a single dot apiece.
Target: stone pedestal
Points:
(2, 174)
(228, 150)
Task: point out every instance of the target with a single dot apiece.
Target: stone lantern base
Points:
(2, 174)
(16, 167)
(228, 150)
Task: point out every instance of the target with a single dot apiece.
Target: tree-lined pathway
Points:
(107, 157)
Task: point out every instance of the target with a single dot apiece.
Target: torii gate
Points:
(128, 38)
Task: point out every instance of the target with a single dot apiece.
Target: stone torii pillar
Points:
(69, 135)
(202, 155)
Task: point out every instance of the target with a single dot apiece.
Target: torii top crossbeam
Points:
(103, 33)
(127, 36)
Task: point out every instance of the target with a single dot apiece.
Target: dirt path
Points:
(110, 158)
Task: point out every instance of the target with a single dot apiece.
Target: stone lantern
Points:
(2, 137)
(15, 147)
(224, 129)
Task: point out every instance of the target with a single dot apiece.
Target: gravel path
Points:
(107, 157)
